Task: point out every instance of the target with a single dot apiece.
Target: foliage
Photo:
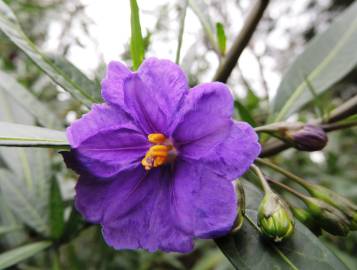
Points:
(40, 228)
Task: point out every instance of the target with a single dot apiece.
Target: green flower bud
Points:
(274, 217)
(328, 217)
(344, 205)
(307, 219)
(238, 223)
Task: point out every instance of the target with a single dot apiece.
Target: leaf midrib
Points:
(317, 70)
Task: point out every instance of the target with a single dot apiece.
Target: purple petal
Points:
(144, 218)
(205, 202)
(105, 142)
(112, 85)
(94, 195)
(205, 121)
(232, 158)
(154, 94)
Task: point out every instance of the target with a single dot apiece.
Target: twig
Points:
(343, 111)
(231, 59)
(180, 35)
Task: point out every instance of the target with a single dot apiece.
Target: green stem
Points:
(289, 189)
(182, 27)
(261, 177)
(288, 174)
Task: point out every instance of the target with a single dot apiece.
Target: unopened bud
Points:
(307, 219)
(306, 137)
(344, 205)
(328, 217)
(274, 217)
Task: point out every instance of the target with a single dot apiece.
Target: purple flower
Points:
(157, 160)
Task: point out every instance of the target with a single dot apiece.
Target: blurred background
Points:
(92, 33)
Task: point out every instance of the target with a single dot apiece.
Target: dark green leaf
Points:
(221, 38)
(44, 116)
(22, 135)
(17, 255)
(248, 250)
(56, 208)
(244, 113)
(326, 59)
(136, 42)
(11, 27)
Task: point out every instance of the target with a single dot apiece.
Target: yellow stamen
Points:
(160, 153)
(156, 156)
(156, 138)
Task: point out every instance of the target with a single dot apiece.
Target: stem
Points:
(182, 27)
(343, 111)
(261, 177)
(231, 59)
(289, 189)
(288, 174)
(337, 126)
(206, 26)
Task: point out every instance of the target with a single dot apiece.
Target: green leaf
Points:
(12, 29)
(13, 257)
(5, 230)
(24, 180)
(56, 210)
(244, 113)
(28, 101)
(92, 87)
(136, 43)
(248, 250)
(20, 195)
(326, 59)
(23, 135)
(221, 38)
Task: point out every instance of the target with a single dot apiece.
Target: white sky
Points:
(111, 30)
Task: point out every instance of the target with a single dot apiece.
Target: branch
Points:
(231, 59)
(343, 111)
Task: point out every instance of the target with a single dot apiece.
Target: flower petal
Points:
(204, 201)
(154, 94)
(144, 220)
(112, 85)
(94, 196)
(104, 142)
(232, 158)
(205, 119)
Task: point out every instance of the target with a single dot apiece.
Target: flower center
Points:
(161, 152)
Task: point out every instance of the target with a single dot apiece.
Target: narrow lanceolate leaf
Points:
(326, 59)
(56, 210)
(8, 229)
(221, 38)
(19, 194)
(200, 8)
(248, 250)
(136, 42)
(13, 257)
(11, 28)
(30, 103)
(23, 135)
